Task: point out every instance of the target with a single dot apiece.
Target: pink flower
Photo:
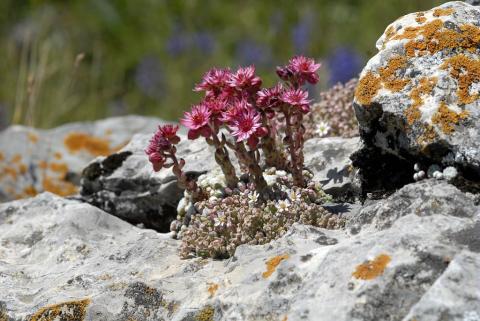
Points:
(216, 106)
(244, 78)
(214, 82)
(305, 69)
(197, 117)
(270, 97)
(170, 133)
(247, 126)
(237, 107)
(157, 161)
(297, 98)
(197, 121)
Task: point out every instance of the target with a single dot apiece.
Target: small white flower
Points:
(253, 197)
(282, 206)
(322, 129)
(219, 220)
(294, 196)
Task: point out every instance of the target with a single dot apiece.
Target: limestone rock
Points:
(418, 97)
(125, 185)
(34, 160)
(130, 189)
(61, 258)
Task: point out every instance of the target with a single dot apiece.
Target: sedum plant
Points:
(240, 120)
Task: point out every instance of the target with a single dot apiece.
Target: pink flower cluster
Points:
(235, 104)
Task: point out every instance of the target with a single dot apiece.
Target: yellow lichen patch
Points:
(2, 157)
(420, 20)
(59, 187)
(206, 314)
(388, 74)
(42, 164)
(443, 12)
(32, 137)
(467, 71)
(58, 155)
(10, 171)
(425, 86)
(367, 88)
(212, 288)
(273, 263)
(285, 318)
(432, 37)
(389, 33)
(22, 168)
(29, 191)
(429, 135)
(96, 146)
(66, 311)
(61, 168)
(447, 118)
(16, 158)
(371, 269)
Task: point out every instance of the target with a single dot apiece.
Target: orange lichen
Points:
(29, 191)
(61, 168)
(96, 146)
(59, 187)
(285, 318)
(443, 12)
(389, 73)
(371, 269)
(429, 135)
(42, 164)
(273, 263)
(16, 158)
(32, 137)
(212, 288)
(2, 157)
(447, 118)
(420, 20)
(367, 88)
(11, 172)
(67, 311)
(425, 86)
(57, 155)
(22, 168)
(434, 36)
(467, 71)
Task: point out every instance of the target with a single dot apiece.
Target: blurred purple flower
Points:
(344, 64)
(251, 53)
(301, 37)
(149, 77)
(177, 43)
(204, 41)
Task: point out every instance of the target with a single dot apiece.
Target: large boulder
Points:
(34, 160)
(418, 98)
(65, 260)
(125, 185)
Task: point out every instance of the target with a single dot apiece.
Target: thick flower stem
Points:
(223, 160)
(273, 157)
(183, 181)
(296, 162)
(253, 167)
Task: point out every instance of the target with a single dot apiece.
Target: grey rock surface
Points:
(417, 98)
(410, 256)
(125, 185)
(34, 160)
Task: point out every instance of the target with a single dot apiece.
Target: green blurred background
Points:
(66, 61)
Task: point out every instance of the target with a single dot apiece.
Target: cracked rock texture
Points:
(418, 97)
(35, 160)
(412, 256)
(125, 185)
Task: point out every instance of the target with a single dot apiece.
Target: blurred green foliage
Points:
(86, 59)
